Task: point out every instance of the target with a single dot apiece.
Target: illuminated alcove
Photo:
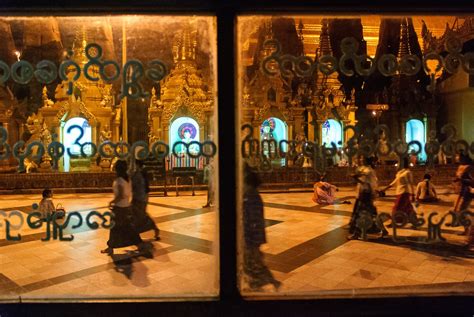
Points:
(184, 129)
(415, 131)
(331, 132)
(73, 137)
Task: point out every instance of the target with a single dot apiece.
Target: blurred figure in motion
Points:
(404, 190)
(367, 184)
(464, 184)
(140, 190)
(254, 234)
(123, 233)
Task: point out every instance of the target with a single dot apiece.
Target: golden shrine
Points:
(91, 105)
(185, 95)
(281, 107)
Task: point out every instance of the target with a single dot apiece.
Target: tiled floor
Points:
(307, 251)
(182, 263)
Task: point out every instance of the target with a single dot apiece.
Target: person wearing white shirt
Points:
(123, 233)
(425, 191)
(404, 190)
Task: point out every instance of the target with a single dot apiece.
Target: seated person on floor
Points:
(46, 205)
(325, 193)
(425, 191)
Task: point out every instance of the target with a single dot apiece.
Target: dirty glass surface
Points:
(355, 155)
(108, 158)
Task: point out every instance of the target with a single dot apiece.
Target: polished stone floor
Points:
(182, 263)
(307, 251)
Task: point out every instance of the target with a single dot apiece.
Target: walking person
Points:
(140, 190)
(367, 184)
(254, 234)
(464, 182)
(404, 190)
(123, 233)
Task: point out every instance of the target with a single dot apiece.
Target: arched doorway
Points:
(70, 139)
(273, 129)
(184, 129)
(415, 131)
(331, 132)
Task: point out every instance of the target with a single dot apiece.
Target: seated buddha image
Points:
(267, 131)
(187, 133)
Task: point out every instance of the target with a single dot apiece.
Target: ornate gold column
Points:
(310, 126)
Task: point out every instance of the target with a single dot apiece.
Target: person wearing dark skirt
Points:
(367, 184)
(140, 190)
(123, 233)
(254, 234)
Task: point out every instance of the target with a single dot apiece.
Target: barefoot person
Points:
(464, 182)
(404, 189)
(367, 184)
(46, 205)
(325, 193)
(208, 175)
(123, 233)
(425, 191)
(140, 190)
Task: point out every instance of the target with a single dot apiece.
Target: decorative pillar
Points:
(402, 128)
(166, 138)
(299, 119)
(256, 129)
(6, 126)
(310, 127)
(202, 130)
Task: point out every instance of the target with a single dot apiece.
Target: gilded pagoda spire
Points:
(79, 46)
(404, 47)
(300, 32)
(324, 41)
(184, 47)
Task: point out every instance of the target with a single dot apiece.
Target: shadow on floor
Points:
(124, 262)
(441, 249)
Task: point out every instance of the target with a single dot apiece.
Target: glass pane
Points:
(356, 177)
(108, 168)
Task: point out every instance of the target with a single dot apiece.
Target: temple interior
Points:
(305, 125)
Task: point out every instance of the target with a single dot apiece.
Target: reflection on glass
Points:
(90, 108)
(356, 219)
